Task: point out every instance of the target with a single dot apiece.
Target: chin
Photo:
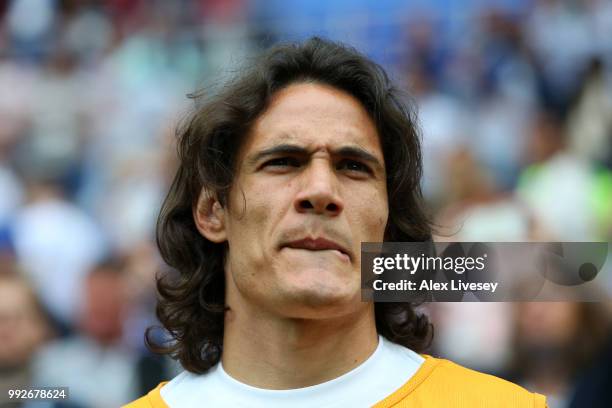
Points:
(306, 289)
(319, 301)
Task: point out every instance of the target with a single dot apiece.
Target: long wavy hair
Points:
(191, 302)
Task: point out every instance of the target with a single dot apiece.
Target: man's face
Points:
(310, 186)
(22, 328)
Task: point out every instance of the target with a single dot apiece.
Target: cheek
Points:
(372, 215)
(379, 223)
(248, 223)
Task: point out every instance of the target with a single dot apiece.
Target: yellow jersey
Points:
(437, 383)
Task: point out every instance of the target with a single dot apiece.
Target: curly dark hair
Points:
(192, 301)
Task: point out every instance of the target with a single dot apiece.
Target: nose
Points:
(319, 191)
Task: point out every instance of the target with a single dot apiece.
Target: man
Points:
(24, 329)
(112, 369)
(282, 176)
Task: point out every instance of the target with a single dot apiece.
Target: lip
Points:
(318, 244)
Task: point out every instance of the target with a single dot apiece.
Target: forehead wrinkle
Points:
(301, 138)
(300, 134)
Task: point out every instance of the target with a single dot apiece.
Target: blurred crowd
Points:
(514, 100)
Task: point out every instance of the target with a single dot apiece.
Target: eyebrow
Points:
(292, 149)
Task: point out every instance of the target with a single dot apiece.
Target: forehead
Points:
(317, 116)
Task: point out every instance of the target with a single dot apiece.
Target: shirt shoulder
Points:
(441, 382)
(152, 400)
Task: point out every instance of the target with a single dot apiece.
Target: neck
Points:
(273, 352)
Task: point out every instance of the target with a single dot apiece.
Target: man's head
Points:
(282, 175)
(24, 325)
(309, 187)
(105, 303)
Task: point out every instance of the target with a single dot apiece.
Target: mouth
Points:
(319, 244)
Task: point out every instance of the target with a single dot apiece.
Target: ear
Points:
(209, 217)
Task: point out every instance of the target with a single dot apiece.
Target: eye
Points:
(354, 166)
(282, 162)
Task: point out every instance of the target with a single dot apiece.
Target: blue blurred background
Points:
(514, 100)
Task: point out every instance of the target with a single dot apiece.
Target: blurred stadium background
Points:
(515, 106)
